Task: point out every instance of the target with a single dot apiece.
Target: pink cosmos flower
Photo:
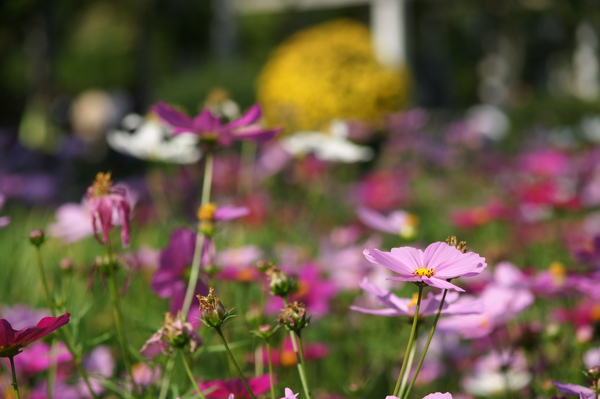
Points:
(315, 291)
(398, 222)
(573, 389)
(289, 394)
(396, 306)
(221, 389)
(11, 340)
(238, 264)
(210, 129)
(434, 266)
(103, 200)
(500, 304)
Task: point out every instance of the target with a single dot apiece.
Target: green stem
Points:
(14, 376)
(410, 343)
(208, 175)
(234, 362)
(114, 296)
(299, 358)
(199, 249)
(66, 335)
(191, 376)
(166, 378)
(435, 320)
(271, 373)
(411, 358)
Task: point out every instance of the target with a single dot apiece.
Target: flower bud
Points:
(593, 372)
(280, 284)
(37, 237)
(293, 317)
(213, 312)
(66, 265)
(265, 331)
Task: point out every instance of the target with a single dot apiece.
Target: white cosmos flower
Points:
(332, 146)
(145, 138)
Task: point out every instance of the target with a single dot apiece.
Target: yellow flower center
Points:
(424, 272)
(558, 272)
(413, 302)
(102, 184)
(207, 211)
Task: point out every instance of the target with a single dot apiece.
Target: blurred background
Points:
(71, 70)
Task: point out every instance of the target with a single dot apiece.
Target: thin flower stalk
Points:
(431, 332)
(412, 337)
(66, 335)
(411, 358)
(232, 358)
(271, 373)
(191, 376)
(14, 376)
(298, 350)
(164, 386)
(198, 252)
(114, 296)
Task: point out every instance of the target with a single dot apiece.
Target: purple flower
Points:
(396, 222)
(434, 266)
(573, 389)
(500, 304)
(11, 340)
(429, 305)
(170, 280)
(103, 201)
(210, 129)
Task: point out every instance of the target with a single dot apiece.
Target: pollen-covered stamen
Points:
(424, 272)
(207, 211)
(102, 184)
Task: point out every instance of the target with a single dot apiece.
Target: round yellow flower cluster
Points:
(327, 72)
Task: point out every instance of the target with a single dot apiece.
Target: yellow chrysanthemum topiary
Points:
(327, 72)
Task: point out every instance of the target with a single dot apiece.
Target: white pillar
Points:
(388, 30)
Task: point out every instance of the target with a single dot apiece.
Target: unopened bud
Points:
(37, 237)
(66, 265)
(213, 312)
(265, 331)
(280, 283)
(593, 372)
(293, 317)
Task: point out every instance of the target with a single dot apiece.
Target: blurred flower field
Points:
(402, 253)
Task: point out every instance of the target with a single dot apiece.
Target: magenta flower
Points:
(170, 280)
(434, 266)
(210, 129)
(103, 200)
(40, 356)
(221, 389)
(396, 306)
(11, 340)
